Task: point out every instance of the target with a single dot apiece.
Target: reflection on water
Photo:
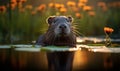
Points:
(22, 61)
(80, 59)
(37, 61)
(108, 64)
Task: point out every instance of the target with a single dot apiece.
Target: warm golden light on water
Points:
(80, 59)
(96, 57)
(79, 40)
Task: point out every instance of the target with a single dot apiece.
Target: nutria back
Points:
(59, 33)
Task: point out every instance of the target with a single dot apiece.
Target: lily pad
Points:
(5, 46)
(28, 49)
(95, 44)
(37, 48)
(22, 46)
(56, 48)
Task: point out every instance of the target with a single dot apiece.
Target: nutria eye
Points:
(68, 20)
(54, 21)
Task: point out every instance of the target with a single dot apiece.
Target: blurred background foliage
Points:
(22, 21)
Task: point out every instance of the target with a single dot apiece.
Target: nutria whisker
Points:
(75, 31)
(74, 25)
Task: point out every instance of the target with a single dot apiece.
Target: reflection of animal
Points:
(59, 33)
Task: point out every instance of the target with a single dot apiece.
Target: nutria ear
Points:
(50, 19)
(70, 18)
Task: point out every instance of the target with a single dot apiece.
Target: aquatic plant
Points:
(20, 19)
(108, 31)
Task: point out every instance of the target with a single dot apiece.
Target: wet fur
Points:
(50, 38)
(58, 61)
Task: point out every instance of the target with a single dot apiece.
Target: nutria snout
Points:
(59, 33)
(60, 24)
(62, 29)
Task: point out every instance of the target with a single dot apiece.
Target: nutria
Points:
(59, 33)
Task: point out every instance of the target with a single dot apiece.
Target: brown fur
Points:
(58, 61)
(49, 38)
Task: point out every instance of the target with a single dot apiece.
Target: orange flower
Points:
(108, 30)
(63, 10)
(91, 13)
(62, 5)
(71, 3)
(2, 9)
(29, 7)
(87, 8)
(23, 1)
(114, 4)
(13, 1)
(22, 10)
(33, 12)
(75, 9)
(104, 8)
(78, 15)
(13, 6)
(101, 4)
(20, 5)
(51, 5)
(41, 7)
(83, 1)
(58, 6)
(118, 3)
(81, 4)
(18, 1)
(110, 4)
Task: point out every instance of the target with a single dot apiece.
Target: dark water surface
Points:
(12, 60)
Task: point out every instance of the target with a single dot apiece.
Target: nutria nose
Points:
(62, 26)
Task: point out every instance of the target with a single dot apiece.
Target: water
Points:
(83, 60)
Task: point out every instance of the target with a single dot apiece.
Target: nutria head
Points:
(60, 31)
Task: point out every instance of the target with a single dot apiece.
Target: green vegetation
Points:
(21, 21)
